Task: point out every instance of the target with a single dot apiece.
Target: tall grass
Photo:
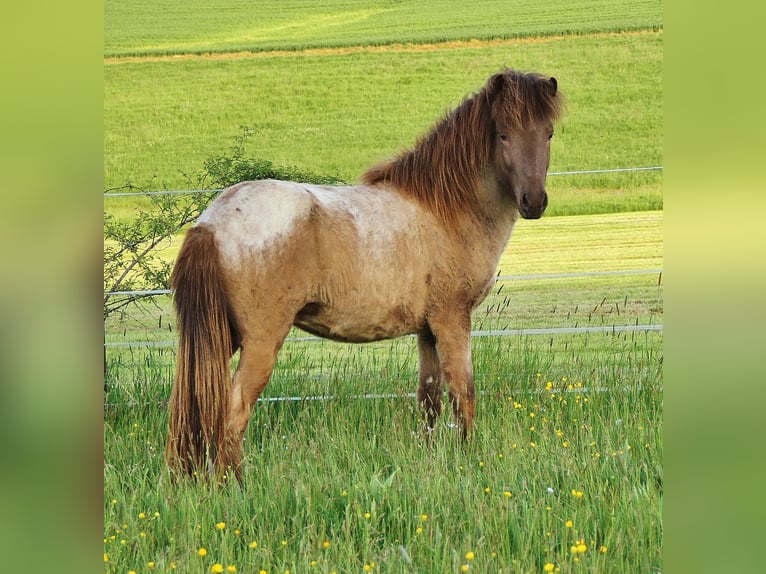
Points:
(347, 485)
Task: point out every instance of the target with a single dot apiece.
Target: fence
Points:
(475, 333)
(635, 327)
(552, 173)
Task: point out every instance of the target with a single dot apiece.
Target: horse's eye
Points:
(550, 135)
(503, 137)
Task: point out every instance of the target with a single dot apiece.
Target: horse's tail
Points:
(199, 402)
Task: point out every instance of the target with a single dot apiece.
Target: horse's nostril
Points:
(545, 200)
(525, 200)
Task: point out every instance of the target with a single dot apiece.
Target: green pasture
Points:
(558, 473)
(338, 113)
(564, 471)
(168, 27)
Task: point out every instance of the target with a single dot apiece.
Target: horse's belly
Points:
(359, 323)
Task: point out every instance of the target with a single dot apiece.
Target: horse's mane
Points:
(441, 171)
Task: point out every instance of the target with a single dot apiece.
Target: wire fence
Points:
(637, 326)
(475, 333)
(574, 275)
(551, 173)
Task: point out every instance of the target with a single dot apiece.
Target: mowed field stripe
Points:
(378, 48)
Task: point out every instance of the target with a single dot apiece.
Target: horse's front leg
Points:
(453, 346)
(429, 379)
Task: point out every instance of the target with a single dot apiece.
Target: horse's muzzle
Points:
(533, 210)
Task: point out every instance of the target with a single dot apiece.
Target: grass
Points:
(332, 114)
(166, 27)
(345, 486)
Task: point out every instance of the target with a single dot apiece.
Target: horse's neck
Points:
(484, 235)
(498, 211)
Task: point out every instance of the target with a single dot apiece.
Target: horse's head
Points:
(524, 108)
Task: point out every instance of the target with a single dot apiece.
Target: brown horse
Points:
(413, 250)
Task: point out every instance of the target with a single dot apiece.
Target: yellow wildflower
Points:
(220, 525)
(470, 556)
(548, 567)
(216, 568)
(202, 552)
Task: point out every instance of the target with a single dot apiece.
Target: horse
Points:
(412, 249)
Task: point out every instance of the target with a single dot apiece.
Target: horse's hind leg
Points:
(430, 380)
(256, 362)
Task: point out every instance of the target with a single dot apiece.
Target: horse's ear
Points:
(554, 85)
(496, 84)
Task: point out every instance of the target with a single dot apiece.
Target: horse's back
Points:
(252, 216)
(351, 262)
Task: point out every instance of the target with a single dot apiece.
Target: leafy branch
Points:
(131, 261)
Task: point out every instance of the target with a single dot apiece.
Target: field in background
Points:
(167, 27)
(337, 114)
(564, 472)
